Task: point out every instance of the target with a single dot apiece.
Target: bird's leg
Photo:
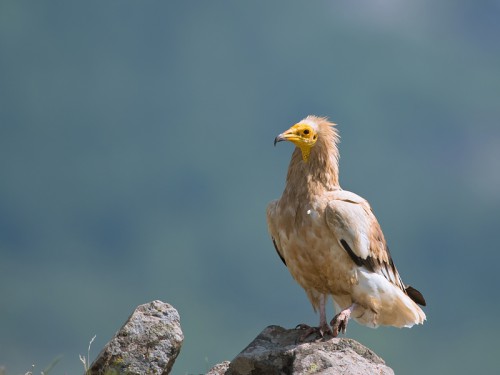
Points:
(339, 321)
(323, 329)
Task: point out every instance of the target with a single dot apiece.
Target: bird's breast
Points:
(312, 253)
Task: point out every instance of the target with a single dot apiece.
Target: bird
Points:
(331, 241)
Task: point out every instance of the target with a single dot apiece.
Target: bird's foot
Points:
(339, 322)
(319, 332)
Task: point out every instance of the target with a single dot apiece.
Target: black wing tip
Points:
(279, 254)
(415, 295)
(357, 260)
(368, 262)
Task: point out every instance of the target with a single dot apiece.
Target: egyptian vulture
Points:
(331, 241)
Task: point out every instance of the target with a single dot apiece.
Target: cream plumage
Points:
(331, 241)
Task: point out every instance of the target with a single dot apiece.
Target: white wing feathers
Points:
(354, 225)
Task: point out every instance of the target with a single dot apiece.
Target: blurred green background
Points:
(137, 160)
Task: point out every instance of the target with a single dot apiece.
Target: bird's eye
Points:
(306, 131)
(314, 137)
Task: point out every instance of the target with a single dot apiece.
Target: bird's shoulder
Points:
(271, 207)
(346, 196)
(271, 215)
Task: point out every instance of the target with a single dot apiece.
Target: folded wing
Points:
(354, 225)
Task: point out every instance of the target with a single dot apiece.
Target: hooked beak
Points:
(289, 135)
(279, 138)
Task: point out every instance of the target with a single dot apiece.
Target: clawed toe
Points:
(308, 331)
(302, 326)
(319, 332)
(339, 323)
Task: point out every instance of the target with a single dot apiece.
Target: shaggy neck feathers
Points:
(321, 172)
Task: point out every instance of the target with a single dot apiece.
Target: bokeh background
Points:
(137, 160)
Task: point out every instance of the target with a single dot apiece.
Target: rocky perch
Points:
(148, 343)
(151, 339)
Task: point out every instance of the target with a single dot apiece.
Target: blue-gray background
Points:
(136, 162)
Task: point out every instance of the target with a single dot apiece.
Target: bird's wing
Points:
(271, 225)
(354, 225)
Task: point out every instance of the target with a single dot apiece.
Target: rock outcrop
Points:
(151, 339)
(148, 343)
(219, 369)
(278, 351)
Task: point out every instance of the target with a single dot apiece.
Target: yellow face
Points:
(301, 135)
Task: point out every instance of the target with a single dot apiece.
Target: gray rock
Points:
(278, 351)
(148, 343)
(219, 369)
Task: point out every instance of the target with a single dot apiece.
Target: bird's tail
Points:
(395, 308)
(404, 312)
